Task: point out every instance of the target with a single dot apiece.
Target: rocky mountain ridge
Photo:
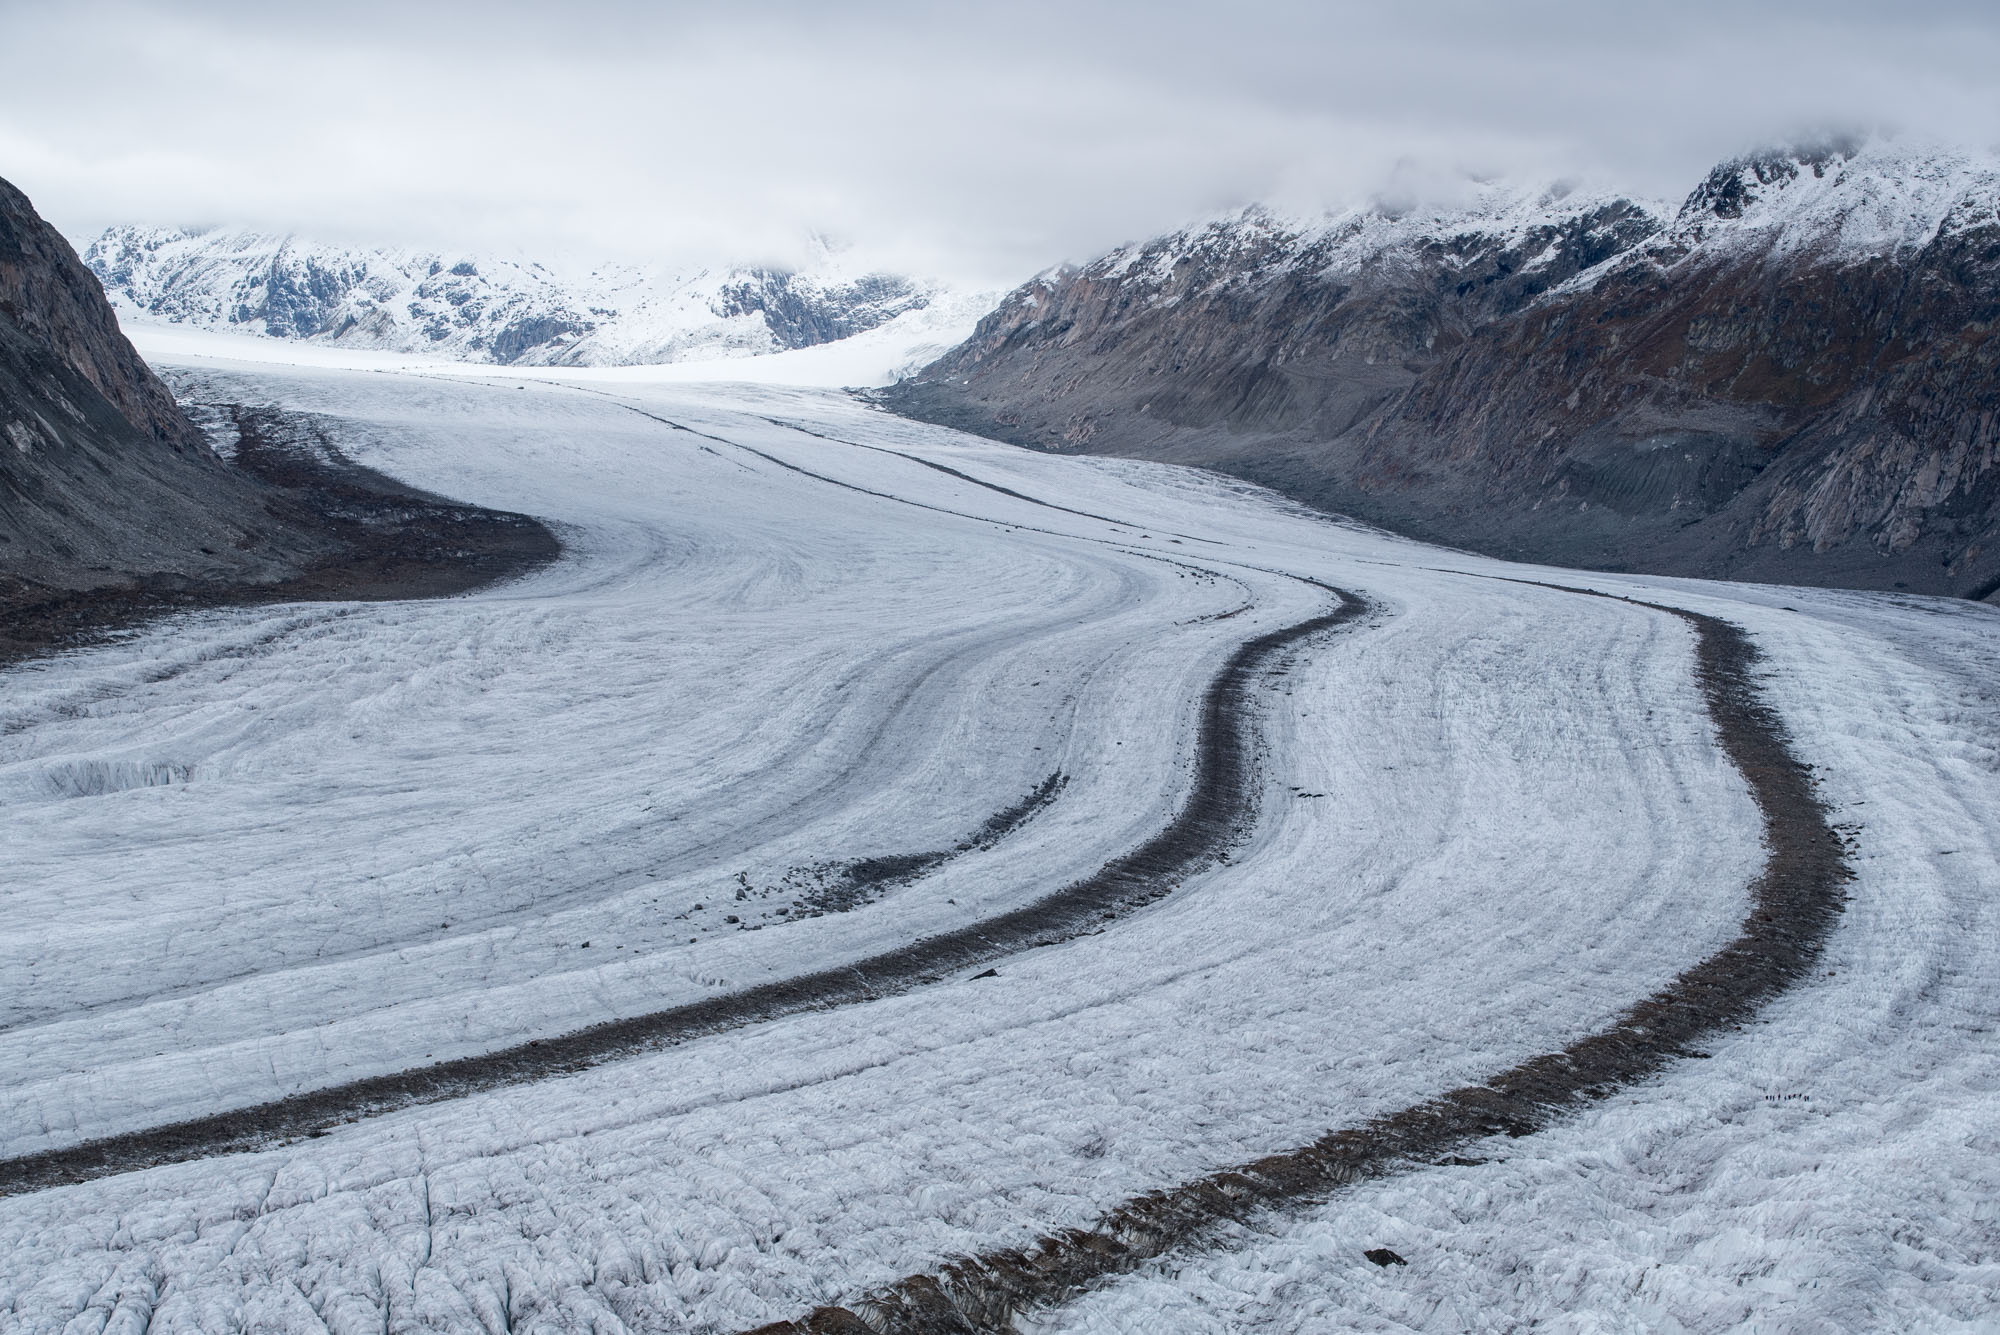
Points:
(487, 308)
(102, 477)
(113, 506)
(1788, 376)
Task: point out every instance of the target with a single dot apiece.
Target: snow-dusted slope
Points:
(1790, 376)
(256, 851)
(1386, 240)
(488, 308)
(1844, 202)
(1841, 201)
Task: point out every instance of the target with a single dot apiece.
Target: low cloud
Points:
(980, 143)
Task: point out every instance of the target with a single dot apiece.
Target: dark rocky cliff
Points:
(113, 506)
(1791, 378)
(102, 479)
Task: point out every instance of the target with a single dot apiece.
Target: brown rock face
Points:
(54, 303)
(113, 508)
(1757, 387)
(103, 481)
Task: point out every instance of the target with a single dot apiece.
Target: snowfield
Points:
(271, 850)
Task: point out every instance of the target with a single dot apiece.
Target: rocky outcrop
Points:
(803, 312)
(113, 506)
(102, 479)
(1791, 377)
(55, 309)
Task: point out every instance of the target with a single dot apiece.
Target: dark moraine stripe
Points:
(1219, 805)
(1794, 904)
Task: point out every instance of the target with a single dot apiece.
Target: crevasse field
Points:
(262, 851)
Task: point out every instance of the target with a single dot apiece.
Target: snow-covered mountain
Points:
(1839, 202)
(1547, 226)
(489, 309)
(1786, 376)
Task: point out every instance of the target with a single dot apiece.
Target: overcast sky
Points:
(980, 142)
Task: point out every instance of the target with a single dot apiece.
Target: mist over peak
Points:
(979, 146)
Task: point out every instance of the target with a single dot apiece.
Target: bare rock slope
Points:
(113, 504)
(103, 480)
(1790, 377)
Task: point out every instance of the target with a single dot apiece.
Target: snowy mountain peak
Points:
(1844, 200)
(1741, 182)
(1551, 227)
(1837, 200)
(490, 308)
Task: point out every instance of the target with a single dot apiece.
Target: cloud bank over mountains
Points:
(979, 144)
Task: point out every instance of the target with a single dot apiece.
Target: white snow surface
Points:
(263, 850)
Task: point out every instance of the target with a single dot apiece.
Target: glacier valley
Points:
(264, 851)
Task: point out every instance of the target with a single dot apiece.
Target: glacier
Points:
(270, 849)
